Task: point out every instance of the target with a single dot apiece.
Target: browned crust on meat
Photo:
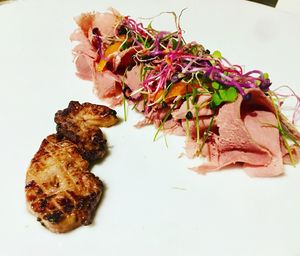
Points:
(60, 190)
(80, 124)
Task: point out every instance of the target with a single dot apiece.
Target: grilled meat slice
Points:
(60, 190)
(80, 124)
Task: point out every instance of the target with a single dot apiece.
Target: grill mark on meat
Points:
(60, 190)
(54, 207)
(54, 217)
(60, 204)
(80, 124)
(66, 204)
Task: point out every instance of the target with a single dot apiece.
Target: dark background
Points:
(266, 2)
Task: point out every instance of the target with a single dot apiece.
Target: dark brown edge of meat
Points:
(98, 139)
(91, 201)
(84, 208)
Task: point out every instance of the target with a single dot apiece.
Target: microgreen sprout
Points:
(174, 72)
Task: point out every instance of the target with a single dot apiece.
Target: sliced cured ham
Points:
(261, 126)
(233, 144)
(183, 89)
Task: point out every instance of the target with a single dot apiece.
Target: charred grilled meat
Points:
(80, 124)
(60, 189)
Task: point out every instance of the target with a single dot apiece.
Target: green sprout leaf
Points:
(216, 100)
(266, 75)
(194, 95)
(217, 54)
(140, 39)
(175, 43)
(223, 95)
(231, 94)
(124, 46)
(150, 25)
(215, 85)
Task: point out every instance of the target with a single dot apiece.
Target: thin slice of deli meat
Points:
(262, 126)
(233, 143)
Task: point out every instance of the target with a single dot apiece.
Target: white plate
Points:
(153, 204)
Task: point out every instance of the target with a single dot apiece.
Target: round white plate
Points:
(153, 204)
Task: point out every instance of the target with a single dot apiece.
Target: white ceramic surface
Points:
(153, 204)
(291, 6)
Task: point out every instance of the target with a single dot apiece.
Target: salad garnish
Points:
(181, 86)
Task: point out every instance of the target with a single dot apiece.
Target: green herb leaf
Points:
(266, 75)
(231, 94)
(215, 85)
(217, 55)
(257, 82)
(223, 95)
(216, 100)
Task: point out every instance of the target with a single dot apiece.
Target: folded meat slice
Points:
(294, 151)
(85, 67)
(173, 127)
(84, 55)
(155, 116)
(121, 61)
(203, 111)
(261, 126)
(233, 143)
(203, 122)
(133, 80)
(108, 86)
(105, 22)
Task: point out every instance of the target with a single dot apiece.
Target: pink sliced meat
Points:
(133, 80)
(143, 123)
(234, 143)
(155, 117)
(174, 127)
(259, 101)
(84, 46)
(243, 132)
(294, 150)
(85, 22)
(106, 84)
(85, 49)
(85, 67)
(192, 148)
(204, 111)
(260, 125)
(203, 123)
(106, 22)
(120, 61)
(85, 56)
